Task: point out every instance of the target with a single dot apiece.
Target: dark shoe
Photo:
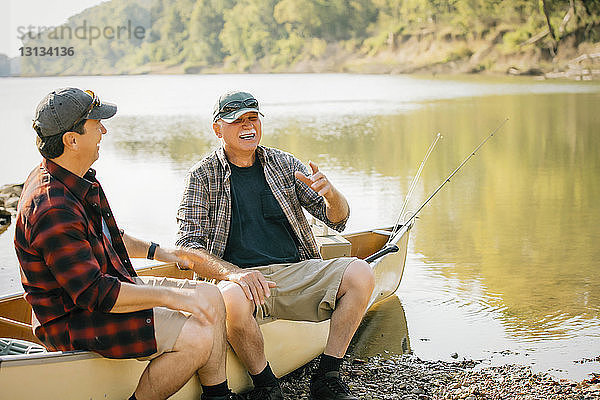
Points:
(330, 387)
(230, 396)
(265, 393)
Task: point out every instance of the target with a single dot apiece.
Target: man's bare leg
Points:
(199, 348)
(247, 341)
(243, 332)
(246, 338)
(352, 300)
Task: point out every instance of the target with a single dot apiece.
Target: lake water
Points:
(503, 262)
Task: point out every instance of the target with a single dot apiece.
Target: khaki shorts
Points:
(305, 291)
(167, 323)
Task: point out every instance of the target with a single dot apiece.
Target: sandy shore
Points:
(410, 378)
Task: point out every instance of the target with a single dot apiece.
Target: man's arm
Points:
(61, 238)
(193, 214)
(336, 205)
(252, 282)
(141, 297)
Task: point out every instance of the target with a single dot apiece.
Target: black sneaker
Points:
(330, 387)
(229, 396)
(265, 393)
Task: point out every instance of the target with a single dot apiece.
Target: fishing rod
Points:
(413, 184)
(393, 248)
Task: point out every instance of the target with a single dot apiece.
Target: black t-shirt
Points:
(259, 234)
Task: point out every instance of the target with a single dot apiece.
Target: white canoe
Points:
(288, 344)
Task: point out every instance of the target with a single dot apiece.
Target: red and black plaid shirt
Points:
(70, 270)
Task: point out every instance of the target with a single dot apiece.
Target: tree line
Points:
(272, 35)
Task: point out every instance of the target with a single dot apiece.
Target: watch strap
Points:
(152, 250)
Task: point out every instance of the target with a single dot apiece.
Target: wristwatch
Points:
(152, 250)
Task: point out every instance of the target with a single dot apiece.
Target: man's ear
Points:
(217, 129)
(70, 140)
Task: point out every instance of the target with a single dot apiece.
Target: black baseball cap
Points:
(62, 108)
(231, 105)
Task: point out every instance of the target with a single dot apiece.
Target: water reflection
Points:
(383, 331)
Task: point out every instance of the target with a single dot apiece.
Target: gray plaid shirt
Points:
(204, 214)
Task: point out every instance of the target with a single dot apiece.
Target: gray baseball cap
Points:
(231, 105)
(62, 108)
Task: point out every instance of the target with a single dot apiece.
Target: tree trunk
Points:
(552, 34)
(570, 14)
(587, 9)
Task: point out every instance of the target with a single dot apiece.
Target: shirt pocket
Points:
(270, 207)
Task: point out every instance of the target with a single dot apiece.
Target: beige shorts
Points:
(167, 323)
(305, 291)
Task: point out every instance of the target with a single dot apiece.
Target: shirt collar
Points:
(260, 153)
(80, 187)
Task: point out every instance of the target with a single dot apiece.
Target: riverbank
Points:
(430, 53)
(409, 378)
(438, 52)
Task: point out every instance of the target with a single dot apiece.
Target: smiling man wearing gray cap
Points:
(243, 203)
(77, 274)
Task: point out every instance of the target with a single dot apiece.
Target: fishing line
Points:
(390, 247)
(456, 170)
(413, 184)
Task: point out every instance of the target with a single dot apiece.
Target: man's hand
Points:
(336, 205)
(194, 302)
(253, 283)
(317, 181)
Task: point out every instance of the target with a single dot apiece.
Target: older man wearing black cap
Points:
(77, 274)
(243, 203)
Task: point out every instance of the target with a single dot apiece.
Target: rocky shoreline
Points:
(407, 377)
(9, 197)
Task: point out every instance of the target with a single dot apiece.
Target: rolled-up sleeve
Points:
(312, 202)
(193, 214)
(60, 236)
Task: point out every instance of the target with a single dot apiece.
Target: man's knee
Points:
(359, 277)
(197, 335)
(196, 340)
(238, 306)
(211, 294)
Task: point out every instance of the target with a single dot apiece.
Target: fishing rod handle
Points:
(386, 250)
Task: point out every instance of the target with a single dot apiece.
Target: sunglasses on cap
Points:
(95, 103)
(237, 105)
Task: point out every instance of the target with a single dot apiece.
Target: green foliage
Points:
(299, 17)
(206, 22)
(239, 35)
(459, 53)
(250, 32)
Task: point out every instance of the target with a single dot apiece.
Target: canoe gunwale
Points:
(398, 235)
(52, 357)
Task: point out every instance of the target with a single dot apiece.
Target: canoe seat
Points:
(9, 347)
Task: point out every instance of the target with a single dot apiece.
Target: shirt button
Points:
(108, 214)
(148, 320)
